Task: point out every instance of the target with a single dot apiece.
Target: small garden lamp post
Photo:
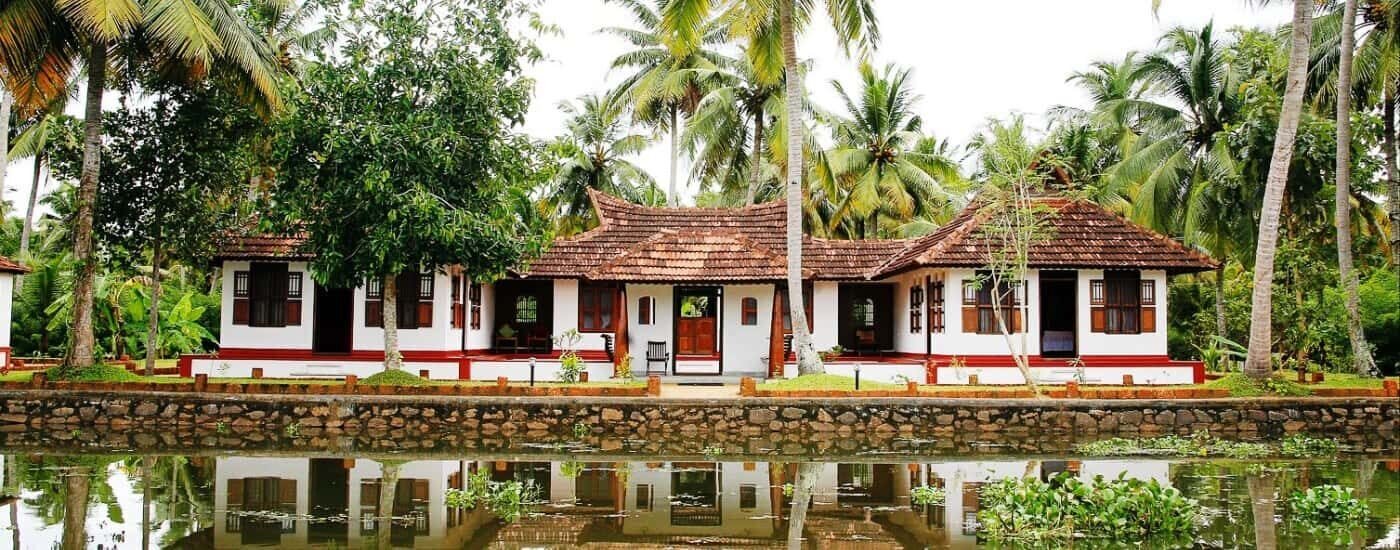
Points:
(857, 376)
(532, 372)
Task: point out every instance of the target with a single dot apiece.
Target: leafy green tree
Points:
(666, 83)
(877, 167)
(42, 42)
(593, 155)
(731, 130)
(445, 78)
(35, 142)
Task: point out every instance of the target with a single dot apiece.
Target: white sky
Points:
(969, 60)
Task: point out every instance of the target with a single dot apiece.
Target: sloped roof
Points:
(263, 247)
(1082, 235)
(10, 266)
(635, 242)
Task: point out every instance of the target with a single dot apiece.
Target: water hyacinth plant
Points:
(1122, 509)
(1328, 511)
(508, 500)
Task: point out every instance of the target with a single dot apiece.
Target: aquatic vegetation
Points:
(507, 500)
(580, 430)
(1203, 444)
(1328, 511)
(927, 496)
(1300, 445)
(292, 430)
(1028, 509)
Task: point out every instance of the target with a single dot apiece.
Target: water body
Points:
(69, 495)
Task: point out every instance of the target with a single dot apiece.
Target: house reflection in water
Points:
(333, 502)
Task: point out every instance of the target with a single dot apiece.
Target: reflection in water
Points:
(295, 502)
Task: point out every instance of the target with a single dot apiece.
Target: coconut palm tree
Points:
(877, 167)
(33, 142)
(730, 130)
(594, 155)
(192, 39)
(770, 30)
(1259, 361)
(664, 84)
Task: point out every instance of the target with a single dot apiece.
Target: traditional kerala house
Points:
(8, 271)
(701, 292)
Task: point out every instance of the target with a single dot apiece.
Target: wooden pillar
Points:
(620, 347)
(776, 354)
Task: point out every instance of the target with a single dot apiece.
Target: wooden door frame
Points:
(317, 293)
(716, 293)
(1071, 277)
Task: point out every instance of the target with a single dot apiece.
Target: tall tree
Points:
(1259, 360)
(594, 155)
(770, 30)
(729, 133)
(665, 85)
(1361, 358)
(34, 143)
(413, 72)
(877, 166)
(43, 42)
(6, 104)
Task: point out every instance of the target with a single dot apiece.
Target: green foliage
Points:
(1203, 444)
(1240, 385)
(821, 382)
(401, 150)
(1027, 509)
(624, 368)
(1301, 445)
(571, 469)
(94, 373)
(925, 495)
(394, 377)
(571, 366)
(508, 500)
(1327, 510)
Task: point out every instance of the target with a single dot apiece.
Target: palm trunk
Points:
(6, 101)
(673, 198)
(153, 320)
(28, 230)
(808, 362)
(147, 469)
(1361, 360)
(1220, 330)
(1392, 166)
(77, 485)
(80, 353)
(1258, 363)
(393, 360)
(803, 487)
(1261, 497)
(756, 159)
(388, 483)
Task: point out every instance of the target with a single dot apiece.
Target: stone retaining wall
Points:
(20, 410)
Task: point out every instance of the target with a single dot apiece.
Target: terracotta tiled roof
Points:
(10, 266)
(1083, 235)
(635, 242)
(256, 247)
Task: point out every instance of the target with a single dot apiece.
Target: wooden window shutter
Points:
(425, 299)
(286, 491)
(474, 297)
(235, 492)
(458, 313)
(935, 306)
(1098, 318)
(241, 306)
(1016, 320)
(1148, 319)
(969, 319)
(294, 293)
(374, 304)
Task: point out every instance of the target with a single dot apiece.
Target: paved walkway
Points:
(699, 392)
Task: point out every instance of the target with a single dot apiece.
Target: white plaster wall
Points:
(904, 340)
(660, 330)
(482, 338)
(328, 367)
(824, 314)
(745, 346)
(1148, 343)
(7, 291)
(953, 341)
(566, 314)
(545, 370)
(439, 337)
(291, 337)
(1009, 374)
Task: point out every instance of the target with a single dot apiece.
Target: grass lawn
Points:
(24, 376)
(826, 382)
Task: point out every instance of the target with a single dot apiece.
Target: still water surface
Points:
(294, 499)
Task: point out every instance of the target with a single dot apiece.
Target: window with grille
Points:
(979, 297)
(1122, 303)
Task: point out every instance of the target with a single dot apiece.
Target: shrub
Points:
(1328, 510)
(94, 373)
(394, 377)
(927, 496)
(1067, 507)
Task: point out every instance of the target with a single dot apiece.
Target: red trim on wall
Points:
(1090, 361)
(1198, 374)
(464, 368)
(491, 355)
